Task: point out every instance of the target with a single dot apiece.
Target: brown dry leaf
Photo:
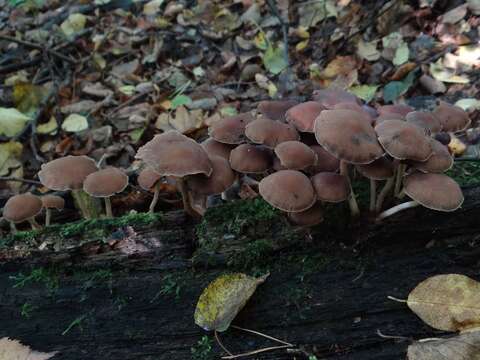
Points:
(14, 350)
(461, 347)
(341, 65)
(403, 71)
(447, 302)
(184, 121)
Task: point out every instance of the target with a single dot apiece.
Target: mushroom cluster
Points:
(299, 155)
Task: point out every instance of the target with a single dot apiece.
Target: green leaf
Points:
(180, 100)
(364, 92)
(75, 123)
(394, 89)
(12, 121)
(273, 59)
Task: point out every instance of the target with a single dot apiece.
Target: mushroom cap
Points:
(452, 118)
(295, 155)
(66, 173)
(288, 190)
(425, 120)
(388, 116)
(105, 182)
(148, 178)
(355, 107)
(439, 162)
(221, 179)
(22, 207)
(380, 169)
(172, 153)
(331, 187)
(310, 217)
(395, 109)
(332, 96)
(270, 133)
(326, 162)
(348, 135)
(302, 116)
(52, 202)
(434, 191)
(215, 148)
(230, 130)
(251, 159)
(275, 109)
(403, 140)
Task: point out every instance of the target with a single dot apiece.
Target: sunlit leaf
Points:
(27, 97)
(364, 92)
(49, 127)
(75, 123)
(10, 153)
(274, 60)
(468, 104)
(73, 24)
(180, 100)
(12, 121)
(444, 74)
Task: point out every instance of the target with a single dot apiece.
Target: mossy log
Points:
(87, 294)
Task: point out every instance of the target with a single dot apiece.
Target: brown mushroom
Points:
(295, 155)
(149, 180)
(452, 118)
(424, 120)
(251, 159)
(288, 190)
(331, 187)
(176, 155)
(439, 162)
(275, 109)
(400, 109)
(380, 169)
(230, 130)
(215, 148)
(23, 207)
(325, 162)
(355, 107)
(270, 133)
(104, 184)
(50, 202)
(332, 96)
(433, 191)
(220, 180)
(310, 217)
(68, 173)
(302, 116)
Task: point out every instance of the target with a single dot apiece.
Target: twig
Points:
(19, 66)
(26, 181)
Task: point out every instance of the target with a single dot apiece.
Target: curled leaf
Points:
(460, 347)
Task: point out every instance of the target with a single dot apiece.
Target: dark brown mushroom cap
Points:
(434, 191)
(348, 135)
(105, 182)
(276, 164)
(215, 148)
(66, 173)
(452, 118)
(230, 130)
(302, 116)
(269, 132)
(395, 109)
(52, 202)
(288, 190)
(148, 178)
(331, 187)
(380, 169)
(326, 162)
(275, 109)
(251, 159)
(439, 162)
(388, 116)
(295, 155)
(354, 107)
(221, 179)
(174, 154)
(309, 217)
(403, 140)
(331, 96)
(22, 207)
(425, 120)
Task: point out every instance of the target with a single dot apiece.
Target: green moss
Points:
(465, 172)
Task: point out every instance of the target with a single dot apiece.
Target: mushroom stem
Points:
(88, 206)
(34, 224)
(108, 207)
(373, 194)
(383, 194)
(352, 202)
(154, 202)
(397, 208)
(13, 228)
(48, 216)
(187, 207)
(398, 181)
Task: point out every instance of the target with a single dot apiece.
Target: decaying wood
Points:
(327, 295)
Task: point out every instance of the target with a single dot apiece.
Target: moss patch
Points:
(466, 173)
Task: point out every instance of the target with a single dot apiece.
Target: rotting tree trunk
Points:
(326, 298)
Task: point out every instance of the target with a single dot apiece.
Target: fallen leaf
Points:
(73, 24)
(456, 146)
(223, 298)
(444, 74)
(14, 350)
(468, 104)
(312, 12)
(447, 302)
(27, 97)
(364, 92)
(461, 347)
(368, 50)
(273, 59)
(49, 127)
(455, 15)
(12, 121)
(10, 153)
(152, 7)
(75, 123)
(474, 6)
(394, 89)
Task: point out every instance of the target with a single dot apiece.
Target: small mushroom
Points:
(439, 162)
(332, 96)
(104, 184)
(433, 191)
(149, 180)
(452, 118)
(356, 107)
(221, 178)
(68, 173)
(270, 133)
(310, 217)
(400, 109)
(288, 190)
(325, 162)
(230, 130)
(380, 169)
(50, 202)
(215, 148)
(251, 159)
(331, 187)
(23, 207)
(275, 109)
(302, 116)
(295, 155)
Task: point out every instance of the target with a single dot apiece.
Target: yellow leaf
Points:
(10, 153)
(301, 45)
(223, 298)
(260, 41)
(49, 127)
(27, 97)
(456, 146)
(12, 121)
(447, 302)
(73, 24)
